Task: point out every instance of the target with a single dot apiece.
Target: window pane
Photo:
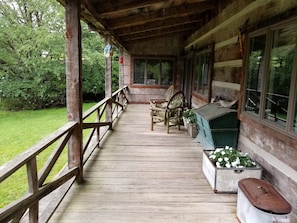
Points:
(205, 74)
(197, 73)
(255, 74)
(167, 72)
(201, 73)
(153, 72)
(139, 71)
(279, 76)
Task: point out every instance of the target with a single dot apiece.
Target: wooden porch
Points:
(143, 176)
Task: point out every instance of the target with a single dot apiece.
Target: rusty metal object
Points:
(264, 196)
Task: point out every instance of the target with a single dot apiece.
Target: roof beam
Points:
(151, 26)
(172, 12)
(157, 33)
(107, 7)
(100, 25)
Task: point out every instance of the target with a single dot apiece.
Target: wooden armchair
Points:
(163, 101)
(169, 112)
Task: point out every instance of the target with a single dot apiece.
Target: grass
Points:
(20, 131)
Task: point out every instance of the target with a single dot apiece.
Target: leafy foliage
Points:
(32, 66)
(190, 115)
(230, 158)
(32, 56)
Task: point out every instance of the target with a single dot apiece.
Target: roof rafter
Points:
(172, 12)
(151, 26)
(157, 33)
(108, 7)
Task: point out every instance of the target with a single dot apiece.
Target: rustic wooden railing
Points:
(28, 207)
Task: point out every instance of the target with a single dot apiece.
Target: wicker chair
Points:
(169, 112)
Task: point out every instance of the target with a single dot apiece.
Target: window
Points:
(153, 71)
(201, 71)
(270, 85)
(255, 70)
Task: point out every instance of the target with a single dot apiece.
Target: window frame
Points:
(196, 59)
(292, 102)
(160, 60)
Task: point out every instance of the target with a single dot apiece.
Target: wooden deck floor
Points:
(146, 176)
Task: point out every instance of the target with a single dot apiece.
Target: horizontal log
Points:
(230, 63)
(233, 86)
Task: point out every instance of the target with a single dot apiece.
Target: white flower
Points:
(218, 150)
(230, 158)
(212, 156)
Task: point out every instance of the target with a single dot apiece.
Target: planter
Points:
(225, 180)
(186, 122)
(192, 130)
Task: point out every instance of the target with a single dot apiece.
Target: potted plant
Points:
(224, 167)
(190, 122)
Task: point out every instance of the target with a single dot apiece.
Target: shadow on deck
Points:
(144, 176)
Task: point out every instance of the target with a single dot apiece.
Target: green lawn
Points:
(18, 132)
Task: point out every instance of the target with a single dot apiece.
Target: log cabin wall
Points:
(165, 47)
(273, 149)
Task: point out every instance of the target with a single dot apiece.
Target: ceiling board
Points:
(128, 21)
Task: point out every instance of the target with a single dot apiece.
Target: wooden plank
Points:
(222, 84)
(33, 188)
(227, 42)
(230, 63)
(142, 176)
(155, 197)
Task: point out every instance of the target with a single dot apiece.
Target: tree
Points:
(32, 56)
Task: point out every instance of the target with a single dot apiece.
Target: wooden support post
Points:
(121, 68)
(33, 188)
(108, 84)
(74, 82)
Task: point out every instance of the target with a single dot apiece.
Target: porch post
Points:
(108, 83)
(121, 68)
(74, 83)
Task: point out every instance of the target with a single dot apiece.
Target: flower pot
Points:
(225, 180)
(186, 122)
(192, 130)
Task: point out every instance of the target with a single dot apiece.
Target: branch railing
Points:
(27, 208)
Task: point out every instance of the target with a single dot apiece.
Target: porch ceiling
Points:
(130, 21)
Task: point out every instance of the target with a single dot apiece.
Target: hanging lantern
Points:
(107, 51)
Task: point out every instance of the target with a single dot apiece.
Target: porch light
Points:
(121, 60)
